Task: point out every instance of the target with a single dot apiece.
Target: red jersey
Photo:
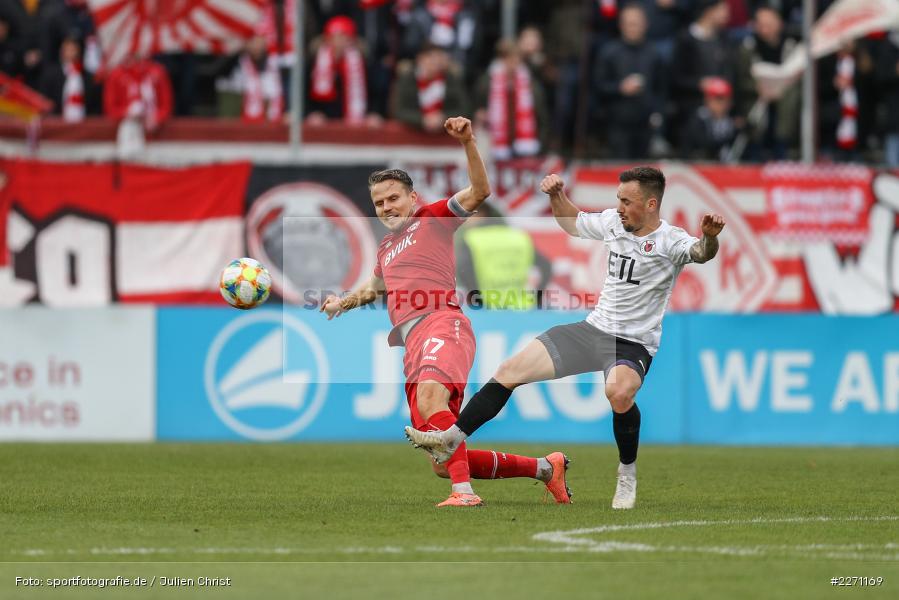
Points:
(418, 265)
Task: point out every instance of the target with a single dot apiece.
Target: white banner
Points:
(844, 21)
(78, 375)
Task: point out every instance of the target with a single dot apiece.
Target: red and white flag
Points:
(118, 232)
(147, 27)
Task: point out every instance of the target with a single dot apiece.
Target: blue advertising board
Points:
(270, 375)
(273, 375)
(792, 379)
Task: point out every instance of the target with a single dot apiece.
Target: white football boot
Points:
(432, 442)
(626, 490)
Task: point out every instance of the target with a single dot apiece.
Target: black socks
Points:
(626, 426)
(485, 405)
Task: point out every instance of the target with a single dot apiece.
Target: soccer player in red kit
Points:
(416, 271)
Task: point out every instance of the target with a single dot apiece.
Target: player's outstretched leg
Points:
(550, 469)
(621, 388)
(533, 363)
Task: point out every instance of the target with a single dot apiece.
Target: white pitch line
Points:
(562, 542)
(574, 538)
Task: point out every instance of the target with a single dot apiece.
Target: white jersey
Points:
(642, 272)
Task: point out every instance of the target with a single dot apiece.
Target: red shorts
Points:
(440, 348)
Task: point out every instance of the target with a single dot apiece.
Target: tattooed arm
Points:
(707, 247)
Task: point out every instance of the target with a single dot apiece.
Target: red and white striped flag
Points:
(146, 27)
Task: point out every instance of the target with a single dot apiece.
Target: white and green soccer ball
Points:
(245, 283)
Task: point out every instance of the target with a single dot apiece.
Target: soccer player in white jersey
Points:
(620, 336)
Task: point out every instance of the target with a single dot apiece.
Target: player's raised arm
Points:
(479, 190)
(707, 247)
(563, 210)
(334, 306)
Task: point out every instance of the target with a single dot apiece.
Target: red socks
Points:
(490, 464)
(457, 465)
(481, 464)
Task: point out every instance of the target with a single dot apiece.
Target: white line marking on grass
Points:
(575, 539)
(560, 542)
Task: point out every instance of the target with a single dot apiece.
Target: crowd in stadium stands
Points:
(613, 79)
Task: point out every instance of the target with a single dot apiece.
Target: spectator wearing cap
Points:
(774, 124)
(628, 86)
(428, 90)
(700, 52)
(338, 86)
(511, 102)
(711, 129)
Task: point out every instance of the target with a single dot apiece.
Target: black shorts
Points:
(582, 348)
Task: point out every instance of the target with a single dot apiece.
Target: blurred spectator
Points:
(377, 37)
(182, 71)
(604, 23)
(449, 24)
(567, 41)
(258, 78)
(530, 45)
(139, 94)
(665, 18)
(69, 19)
(10, 61)
(513, 105)
(68, 85)
(888, 79)
(380, 35)
(738, 23)
(840, 79)
(700, 53)
(711, 130)
(338, 86)
(498, 264)
(428, 90)
(402, 9)
(774, 123)
(26, 18)
(628, 86)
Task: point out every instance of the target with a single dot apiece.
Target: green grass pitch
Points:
(358, 521)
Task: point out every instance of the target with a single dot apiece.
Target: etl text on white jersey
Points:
(641, 276)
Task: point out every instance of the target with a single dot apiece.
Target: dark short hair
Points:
(390, 175)
(650, 179)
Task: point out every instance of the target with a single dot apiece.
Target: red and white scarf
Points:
(431, 93)
(73, 93)
(608, 8)
(324, 75)
(443, 32)
(525, 142)
(263, 97)
(847, 129)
